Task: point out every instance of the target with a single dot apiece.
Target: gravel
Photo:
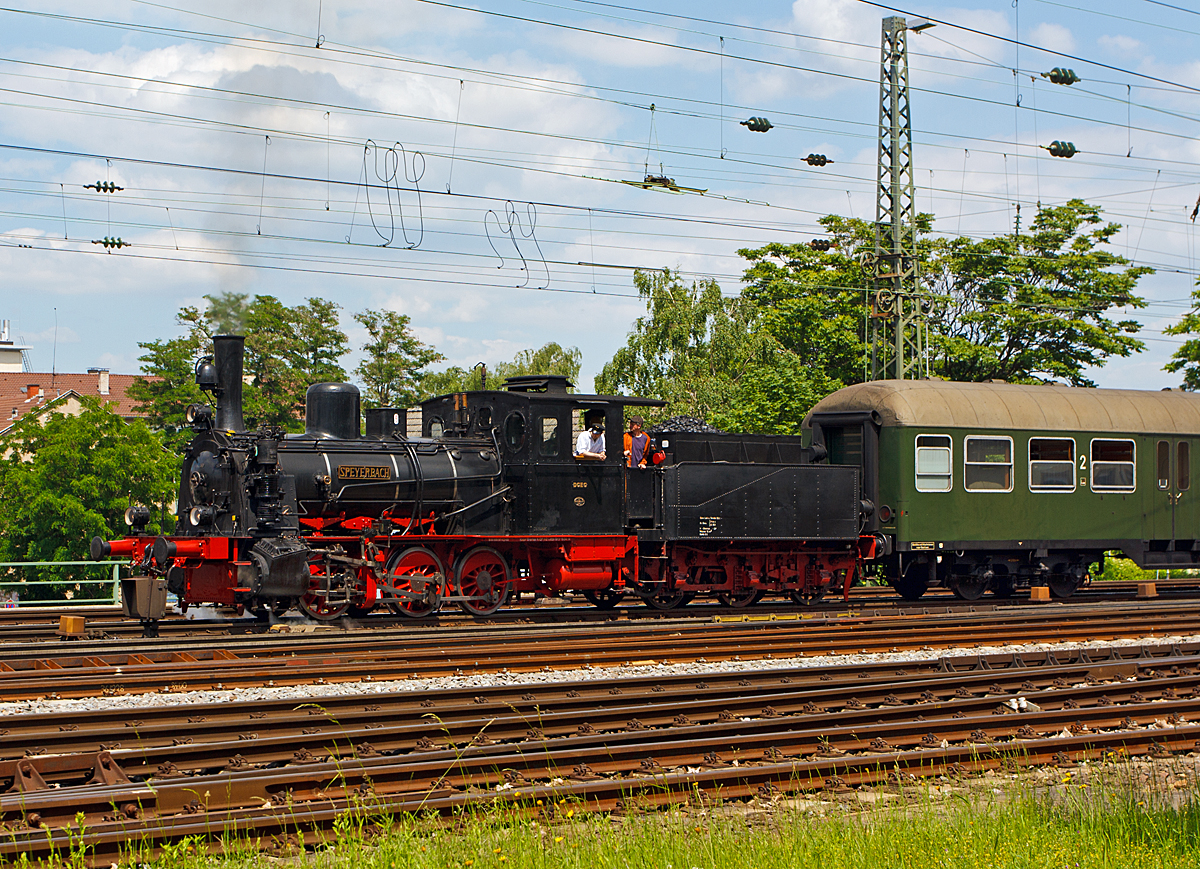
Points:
(304, 693)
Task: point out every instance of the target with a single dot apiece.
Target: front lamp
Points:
(200, 516)
(137, 516)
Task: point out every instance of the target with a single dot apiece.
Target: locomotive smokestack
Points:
(228, 353)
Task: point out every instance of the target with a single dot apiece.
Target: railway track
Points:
(284, 770)
(33, 624)
(86, 668)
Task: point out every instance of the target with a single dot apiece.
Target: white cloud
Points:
(1052, 36)
(1120, 43)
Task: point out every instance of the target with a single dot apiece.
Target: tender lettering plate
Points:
(364, 472)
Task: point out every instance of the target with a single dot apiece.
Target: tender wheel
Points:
(482, 578)
(808, 596)
(418, 577)
(969, 586)
(743, 597)
(605, 598)
(668, 600)
(1062, 585)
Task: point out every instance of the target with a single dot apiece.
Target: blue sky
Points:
(242, 148)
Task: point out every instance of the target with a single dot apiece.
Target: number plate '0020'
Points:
(363, 472)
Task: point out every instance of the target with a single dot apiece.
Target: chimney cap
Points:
(96, 370)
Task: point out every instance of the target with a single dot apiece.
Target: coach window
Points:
(989, 465)
(934, 463)
(1184, 467)
(1112, 466)
(549, 425)
(1164, 464)
(1051, 465)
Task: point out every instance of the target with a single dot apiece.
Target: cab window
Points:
(934, 463)
(1112, 465)
(514, 430)
(549, 429)
(989, 464)
(1051, 465)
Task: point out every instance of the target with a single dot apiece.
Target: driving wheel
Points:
(482, 578)
(317, 606)
(418, 578)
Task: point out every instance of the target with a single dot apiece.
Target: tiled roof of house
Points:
(23, 391)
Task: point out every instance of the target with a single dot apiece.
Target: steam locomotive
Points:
(489, 501)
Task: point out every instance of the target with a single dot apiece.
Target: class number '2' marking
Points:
(580, 485)
(1083, 463)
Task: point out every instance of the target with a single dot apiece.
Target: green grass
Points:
(1057, 824)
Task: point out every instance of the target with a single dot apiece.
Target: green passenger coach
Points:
(992, 486)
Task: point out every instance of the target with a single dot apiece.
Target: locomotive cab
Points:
(535, 421)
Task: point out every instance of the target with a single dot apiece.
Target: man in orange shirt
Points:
(637, 444)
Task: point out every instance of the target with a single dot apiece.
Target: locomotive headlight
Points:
(137, 516)
(202, 516)
(199, 416)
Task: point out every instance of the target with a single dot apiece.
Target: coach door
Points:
(1174, 513)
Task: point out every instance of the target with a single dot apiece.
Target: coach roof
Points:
(941, 404)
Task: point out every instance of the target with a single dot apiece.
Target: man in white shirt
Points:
(590, 444)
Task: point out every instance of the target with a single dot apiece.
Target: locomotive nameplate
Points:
(922, 546)
(364, 472)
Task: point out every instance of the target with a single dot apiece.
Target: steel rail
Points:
(731, 758)
(313, 659)
(200, 738)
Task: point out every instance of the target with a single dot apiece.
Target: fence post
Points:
(116, 584)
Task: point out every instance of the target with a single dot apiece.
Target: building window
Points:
(989, 465)
(549, 436)
(1051, 465)
(1112, 466)
(934, 463)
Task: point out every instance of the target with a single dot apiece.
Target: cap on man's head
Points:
(637, 420)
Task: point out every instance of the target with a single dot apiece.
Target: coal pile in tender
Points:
(684, 423)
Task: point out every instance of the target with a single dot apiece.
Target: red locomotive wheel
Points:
(316, 606)
(483, 578)
(419, 579)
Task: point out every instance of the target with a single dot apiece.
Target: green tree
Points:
(395, 360)
(692, 349)
(287, 349)
(65, 479)
(550, 358)
(1187, 357)
(1035, 306)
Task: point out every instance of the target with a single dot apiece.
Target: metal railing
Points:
(6, 602)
